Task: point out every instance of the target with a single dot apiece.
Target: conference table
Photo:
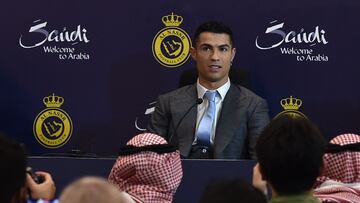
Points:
(196, 173)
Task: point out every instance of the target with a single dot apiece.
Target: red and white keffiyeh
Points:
(340, 178)
(148, 176)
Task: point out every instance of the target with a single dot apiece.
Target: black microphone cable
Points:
(198, 101)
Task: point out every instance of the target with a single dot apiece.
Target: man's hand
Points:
(45, 190)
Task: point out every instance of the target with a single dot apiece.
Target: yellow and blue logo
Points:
(171, 45)
(53, 126)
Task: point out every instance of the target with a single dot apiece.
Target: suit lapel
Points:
(232, 114)
(180, 104)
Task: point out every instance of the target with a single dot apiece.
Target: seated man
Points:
(148, 169)
(339, 181)
(15, 182)
(212, 118)
(93, 190)
(290, 152)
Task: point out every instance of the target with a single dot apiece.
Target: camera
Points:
(37, 178)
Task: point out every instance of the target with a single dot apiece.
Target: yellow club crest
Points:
(52, 126)
(291, 105)
(171, 45)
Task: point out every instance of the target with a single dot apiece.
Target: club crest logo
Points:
(171, 45)
(291, 105)
(52, 126)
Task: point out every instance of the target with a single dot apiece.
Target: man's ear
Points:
(262, 174)
(233, 52)
(193, 53)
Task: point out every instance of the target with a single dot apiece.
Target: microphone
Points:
(198, 101)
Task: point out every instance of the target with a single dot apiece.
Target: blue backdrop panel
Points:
(109, 76)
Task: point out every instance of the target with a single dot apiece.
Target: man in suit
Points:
(223, 127)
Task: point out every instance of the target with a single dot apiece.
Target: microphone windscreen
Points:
(199, 101)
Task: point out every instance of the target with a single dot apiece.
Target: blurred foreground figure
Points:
(16, 185)
(340, 178)
(290, 152)
(232, 191)
(148, 169)
(93, 190)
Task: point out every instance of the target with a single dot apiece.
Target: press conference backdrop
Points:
(105, 63)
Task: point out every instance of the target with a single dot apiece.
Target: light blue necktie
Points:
(207, 121)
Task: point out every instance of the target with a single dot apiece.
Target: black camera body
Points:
(37, 178)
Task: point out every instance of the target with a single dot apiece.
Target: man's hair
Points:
(92, 190)
(214, 27)
(12, 169)
(234, 190)
(290, 152)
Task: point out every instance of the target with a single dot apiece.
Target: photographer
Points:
(16, 185)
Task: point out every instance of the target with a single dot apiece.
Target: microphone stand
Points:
(198, 101)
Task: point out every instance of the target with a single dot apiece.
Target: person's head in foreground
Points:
(93, 190)
(290, 152)
(12, 171)
(16, 185)
(232, 191)
(148, 169)
(340, 178)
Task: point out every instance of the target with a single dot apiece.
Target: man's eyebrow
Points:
(205, 44)
(225, 45)
(209, 45)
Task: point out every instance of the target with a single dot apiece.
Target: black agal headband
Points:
(335, 148)
(158, 148)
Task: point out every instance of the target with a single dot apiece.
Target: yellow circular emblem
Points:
(52, 127)
(171, 47)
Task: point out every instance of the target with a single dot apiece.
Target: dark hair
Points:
(12, 168)
(290, 152)
(214, 27)
(235, 190)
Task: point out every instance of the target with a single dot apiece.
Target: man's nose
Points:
(215, 55)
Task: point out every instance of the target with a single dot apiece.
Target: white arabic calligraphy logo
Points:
(74, 37)
(312, 38)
